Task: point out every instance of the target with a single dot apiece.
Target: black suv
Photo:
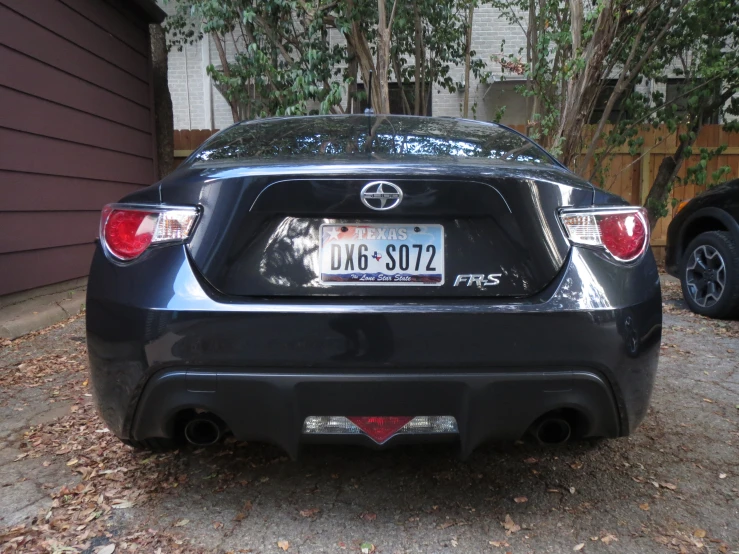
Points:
(703, 251)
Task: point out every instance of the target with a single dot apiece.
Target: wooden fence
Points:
(627, 175)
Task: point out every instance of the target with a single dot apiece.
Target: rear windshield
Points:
(346, 138)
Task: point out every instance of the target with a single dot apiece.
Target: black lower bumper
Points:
(273, 407)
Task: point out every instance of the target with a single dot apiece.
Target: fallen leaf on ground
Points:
(520, 499)
(499, 544)
(668, 486)
(368, 516)
(310, 512)
(530, 461)
(283, 544)
(644, 506)
(608, 538)
(367, 547)
(579, 547)
(722, 476)
(510, 527)
(182, 523)
(699, 533)
(107, 549)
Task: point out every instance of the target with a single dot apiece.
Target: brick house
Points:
(198, 105)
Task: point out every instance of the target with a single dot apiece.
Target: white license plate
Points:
(382, 254)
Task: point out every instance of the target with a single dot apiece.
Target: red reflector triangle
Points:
(379, 429)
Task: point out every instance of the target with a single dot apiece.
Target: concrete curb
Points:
(37, 313)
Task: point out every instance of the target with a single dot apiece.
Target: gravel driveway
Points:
(672, 487)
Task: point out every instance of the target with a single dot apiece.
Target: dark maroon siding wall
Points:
(75, 130)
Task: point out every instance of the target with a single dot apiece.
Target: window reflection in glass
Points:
(358, 136)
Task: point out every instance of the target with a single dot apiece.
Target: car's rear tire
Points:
(709, 275)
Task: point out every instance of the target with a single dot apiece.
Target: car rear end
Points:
(385, 294)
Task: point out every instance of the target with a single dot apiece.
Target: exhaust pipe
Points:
(203, 431)
(553, 431)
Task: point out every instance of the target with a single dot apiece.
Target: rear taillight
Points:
(126, 231)
(622, 232)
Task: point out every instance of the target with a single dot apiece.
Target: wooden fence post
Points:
(645, 177)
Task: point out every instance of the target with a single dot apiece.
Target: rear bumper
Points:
(160, 342)
(273, 407)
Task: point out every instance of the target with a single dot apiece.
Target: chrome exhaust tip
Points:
(553, 431)
(203, 431)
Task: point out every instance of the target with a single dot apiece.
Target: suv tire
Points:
(709, 275)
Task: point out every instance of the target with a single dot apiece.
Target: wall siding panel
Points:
(25, 36)
(79, 30)
(107, 17)
(39, 154)
(37, 268)
(37, 230)
(76, 131)
(41, 117)
(33, 77)
(27, 192)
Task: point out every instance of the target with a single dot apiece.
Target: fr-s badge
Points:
(479, 279)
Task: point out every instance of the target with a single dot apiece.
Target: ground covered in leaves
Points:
(69, 486)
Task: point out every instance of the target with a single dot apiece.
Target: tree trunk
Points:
(227, 73)
(357, 42)
(532, 58)
(401, 85)
(382, 102)
(163, 118)
(351, 92)
(668, 170)
(583, 88)
(467, 48)
(418, 101)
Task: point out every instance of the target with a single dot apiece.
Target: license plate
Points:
(382, 254)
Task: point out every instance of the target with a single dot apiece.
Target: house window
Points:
(503, 101)
(602, 101)
(396, 98)
(678, 91)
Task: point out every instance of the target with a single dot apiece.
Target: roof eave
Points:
(152, 11)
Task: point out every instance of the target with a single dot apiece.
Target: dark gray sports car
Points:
(375, 280)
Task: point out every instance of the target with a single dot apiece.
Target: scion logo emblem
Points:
(381, 195)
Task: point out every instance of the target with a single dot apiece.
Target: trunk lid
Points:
(260, 230)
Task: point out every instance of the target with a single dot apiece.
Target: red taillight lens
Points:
(379, 429)
(129, 232)
(623, 235)
(126, 232)
(623, 232)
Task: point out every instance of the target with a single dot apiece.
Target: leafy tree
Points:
(704, 43)
(572, 51)
(287, 60)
